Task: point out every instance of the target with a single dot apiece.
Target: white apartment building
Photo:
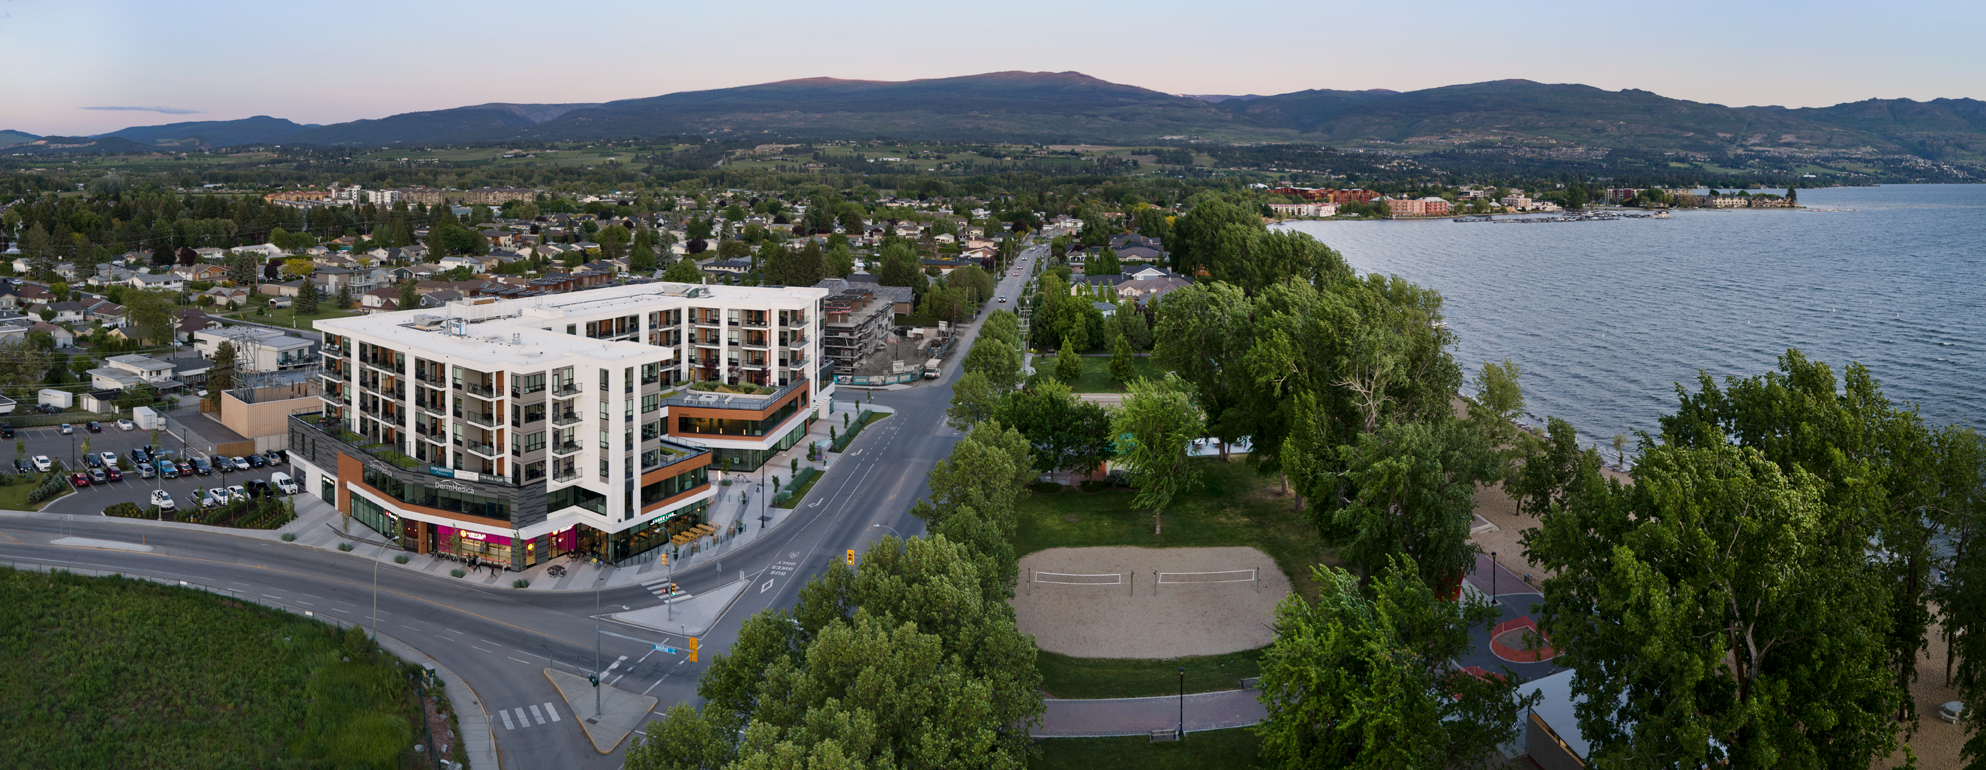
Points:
(519, 430)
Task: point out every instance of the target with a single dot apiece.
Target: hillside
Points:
(15, 137)
(210, 133)
(1553, 120)
(77, 145)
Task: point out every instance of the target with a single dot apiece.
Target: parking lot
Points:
(94, 498)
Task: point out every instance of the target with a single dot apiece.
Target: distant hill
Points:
(15, 137)
(77, 145)
(210, 133)
(458, 124)
(1549, 120)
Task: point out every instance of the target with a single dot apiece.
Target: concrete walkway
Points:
(620, 711)
(1103, 717)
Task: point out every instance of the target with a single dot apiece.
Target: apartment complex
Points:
(1417, 207)
(519, 430)
(857, 320)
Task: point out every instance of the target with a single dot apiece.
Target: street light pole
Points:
(596, 652)
(1492, 577)
(1182, 703)
(375, 597)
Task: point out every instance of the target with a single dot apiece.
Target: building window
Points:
(450, 500)
(603, 439)
(675, 485)
(604, 380)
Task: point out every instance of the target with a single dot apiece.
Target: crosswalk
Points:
(523, 719)
(663, 589)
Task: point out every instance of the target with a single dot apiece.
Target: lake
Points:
(1604, 318)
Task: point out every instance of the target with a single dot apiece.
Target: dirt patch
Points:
(1124, 615)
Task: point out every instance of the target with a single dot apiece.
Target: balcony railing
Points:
(565, 474)
(424, 376)
(566, 390)
(477, 389)
(485, 420)
(483, 450)
(430, 407)
(715, 400)
(564, 448)
(567, 418)
(332, 350)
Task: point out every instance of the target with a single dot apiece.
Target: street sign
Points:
(665, 649)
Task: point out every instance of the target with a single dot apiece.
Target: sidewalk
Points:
(1102, 717)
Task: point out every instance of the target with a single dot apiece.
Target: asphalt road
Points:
(499, 640)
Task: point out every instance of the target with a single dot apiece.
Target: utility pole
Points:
(596, 652)
(1182, 703)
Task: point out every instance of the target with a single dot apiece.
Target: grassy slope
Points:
(1064, 676)
(1200, 751)
(114, 673)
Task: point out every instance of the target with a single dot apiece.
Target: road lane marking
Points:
(521, 719)
(551, 710)
(506, 719)
(335, 609)
(768, 585)
(305, 603)
(525, 662)
(536, 714)
(479, 649)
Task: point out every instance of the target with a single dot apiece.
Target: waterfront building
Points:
(518, 430)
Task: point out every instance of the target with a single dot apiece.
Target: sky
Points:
(79, 67)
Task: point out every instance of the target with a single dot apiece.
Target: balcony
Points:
(565, 474)
(563, 449)
(479, 390)
(432, 436)
(431, 408)
(432, 379)
(332, 350)
(704, 399)
(487, 420)
(482, 450)
(568, 418)
(566, 390)
(793, 360)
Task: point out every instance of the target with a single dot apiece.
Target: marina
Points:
(1600, 216)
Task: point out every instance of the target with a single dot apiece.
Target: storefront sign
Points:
(474, 535)
(446, 473)
(451, 473)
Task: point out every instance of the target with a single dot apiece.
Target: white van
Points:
(283, 483)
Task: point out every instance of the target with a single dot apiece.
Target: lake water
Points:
(1604, 318)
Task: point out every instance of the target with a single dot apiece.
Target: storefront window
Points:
(378, 519)
(628, 544)
(453, 501)
(674, 485)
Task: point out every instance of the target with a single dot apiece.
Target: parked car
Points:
(79, 479)
(125, 425)
(93, 461)
(146, 471)
(139, 456)
(21, 465)
(276, 456)
(215, 498)
(240, 464)
(43, 464)
(163, 500)
(97, 476)
(6, 431)
(201, 466)
(113, 473)
(257, 461)
(68, 429)
(109, 459)
(258, 488)
(223, 464)
(95, 427)
(283, 483)
(168, 470)
(236, 493)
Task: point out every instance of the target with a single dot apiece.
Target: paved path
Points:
(1140, 716)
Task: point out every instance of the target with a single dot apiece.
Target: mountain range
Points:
(1069, 107)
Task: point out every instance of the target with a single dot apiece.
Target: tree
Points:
(1122, 365)
(150, 314)
(999, 362)
(410, 297)
(1064, 433)
(38, 248)
(306, 303)
(221, 373)
(613, 240)
(1414, 487)
(1068, 362)
(1157, 423)
(1718, 611)
(344, 296)
(901, 267)
(683, 271)
(974, 399)
(1362, 678)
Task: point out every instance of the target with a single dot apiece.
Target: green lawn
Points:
(1096, 373)
(1063, 676)
(285, 316)
(1233, 506)
(114, 673)
(1235, 748)
(14, 497)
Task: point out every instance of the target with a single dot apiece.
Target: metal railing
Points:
(484, 450)
(565, 474)
(487, 420)
(476, 389)
(568, 418)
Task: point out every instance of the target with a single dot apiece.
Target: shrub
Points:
(456, 573)
(401, 559)
(289, 537)
(520, 583)
(125, 510)
(344, 546)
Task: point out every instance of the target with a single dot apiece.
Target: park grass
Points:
(14, 497)
(327, 308)
(1096, 373)
(1232, 506)
(1234, 748)
(1064, 676)
(113, 673)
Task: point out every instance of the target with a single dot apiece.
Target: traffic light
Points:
(593, 679)
(851, 557)
(692, 649)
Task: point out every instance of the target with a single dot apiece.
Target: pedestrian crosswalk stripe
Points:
(551, 711)
(506, 719)
(536, 715)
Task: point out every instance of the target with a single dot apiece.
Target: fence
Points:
(879, 379)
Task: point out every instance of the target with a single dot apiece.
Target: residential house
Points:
(378, 298)
(207, 273)
(63, 338)
(723, 267)
(227, 296)
(66, 312)
(122, 372)
(105, 312)
(166, 281)
(258, 349)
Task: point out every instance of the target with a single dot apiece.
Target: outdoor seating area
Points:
(693, 533)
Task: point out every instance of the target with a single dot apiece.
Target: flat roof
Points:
(514, 331)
